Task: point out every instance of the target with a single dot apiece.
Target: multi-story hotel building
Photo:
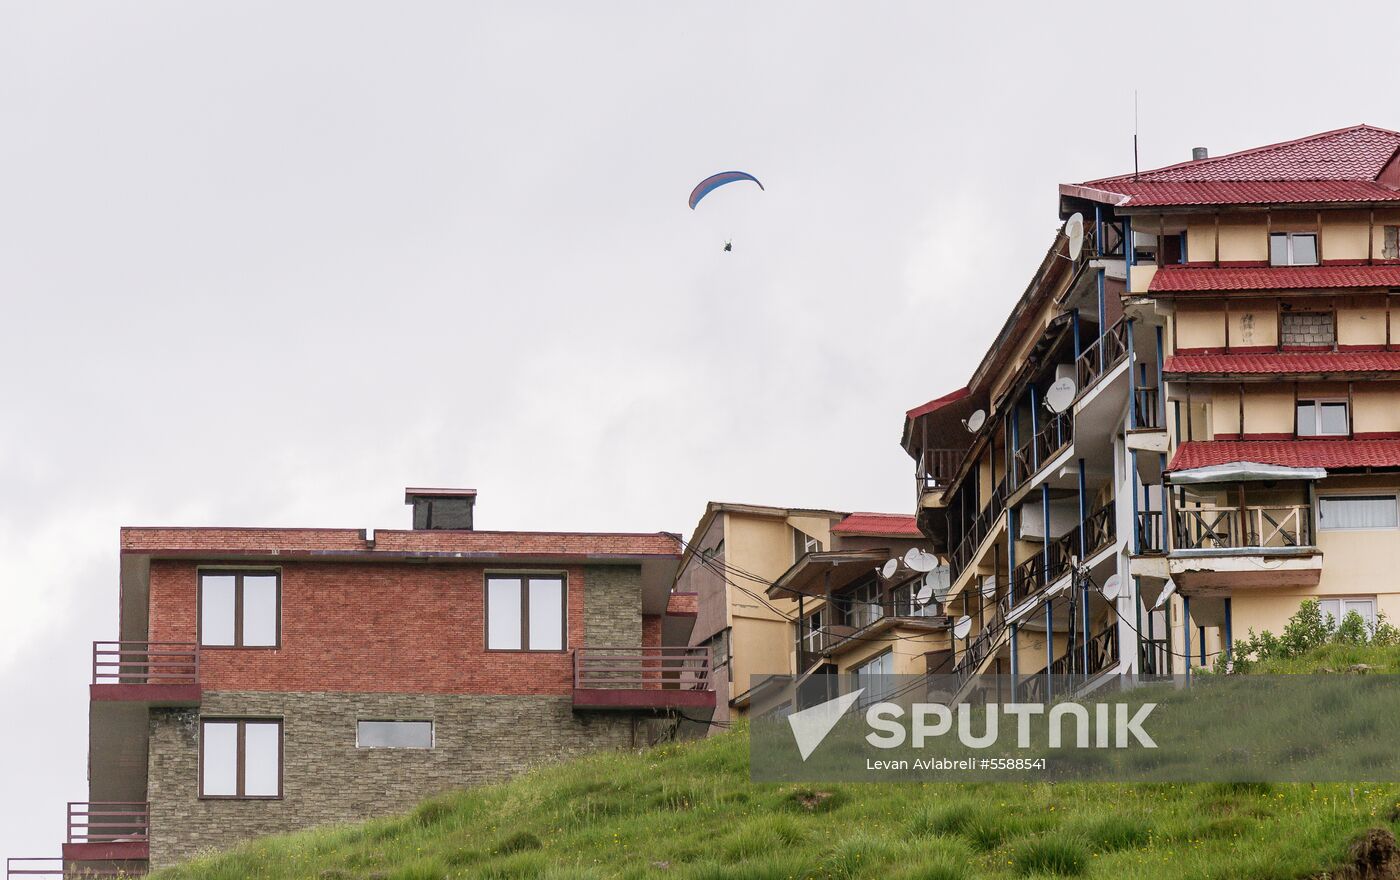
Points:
(266, 680)
(1231, 418)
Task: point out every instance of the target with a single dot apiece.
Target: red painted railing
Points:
(27, 868)
(633, 668)
(145, 663)
(109, 822)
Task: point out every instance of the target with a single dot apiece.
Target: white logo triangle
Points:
(810, 726)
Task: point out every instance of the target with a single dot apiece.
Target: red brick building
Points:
(266, 680)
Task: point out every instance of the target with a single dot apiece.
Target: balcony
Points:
(867, 621)
(935, 470)
(154, 673)
(977, 531)
(1103, 355)
(108, 831)
(643, 678)
(1031, 577)
(1037, 452)
(1218, 547)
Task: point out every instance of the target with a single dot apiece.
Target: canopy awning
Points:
(1245, 472)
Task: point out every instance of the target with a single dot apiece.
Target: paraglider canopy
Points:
(715, 181)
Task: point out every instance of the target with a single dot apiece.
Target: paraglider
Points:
(715, 181)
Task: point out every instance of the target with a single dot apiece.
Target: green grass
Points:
(689, 811)
(1334, 658)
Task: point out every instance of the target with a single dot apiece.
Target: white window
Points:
(1338, 609)
(525, 612)
(240, 758)
(876, 676)
(1357, 512)
(861, 606)
(1323, 418)
(803, 543)
(812, 635)
(239, 609)
(393, 734)
(1293, 249)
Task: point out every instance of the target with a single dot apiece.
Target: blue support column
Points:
(1186, 631)
(1128, 253)
(1229, 633)
(1103, 317)
(1161, 388)
(1074, 323)
(1045, 562)
(1132, 385)
(1011, 528)
(1035, 430)
(1083, 551)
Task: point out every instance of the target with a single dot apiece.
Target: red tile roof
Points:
(892, 524)
(937, 403)
(1333, 166)
(1285, 362)
(216, 542)
(1329, 454)
(1193, 278)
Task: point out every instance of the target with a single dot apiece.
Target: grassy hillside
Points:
(689, 811)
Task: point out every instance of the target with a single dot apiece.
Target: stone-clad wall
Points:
(612, 606)
(327, 779)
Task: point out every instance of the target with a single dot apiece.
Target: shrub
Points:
(1061, 856)
(1307, 631)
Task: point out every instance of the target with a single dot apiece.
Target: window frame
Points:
(1317, 403)
(1344, 496)
(1341, 615)
(1289, 236)
(524, 577)
(803, 544)
(240, 771)
(432, 734)
(237, 574)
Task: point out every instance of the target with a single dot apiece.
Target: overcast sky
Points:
(267, 263)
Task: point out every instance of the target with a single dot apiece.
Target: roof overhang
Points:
(816, 573)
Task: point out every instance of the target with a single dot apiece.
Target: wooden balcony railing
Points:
(1102, 355)
(1149, 531)
(936, 468)
(1146, 412)
(645, 668)
(109, 822)
(145, 663)
(977, 530)
(982, 644)
(1262, 527)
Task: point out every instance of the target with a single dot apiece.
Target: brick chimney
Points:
(441, 508)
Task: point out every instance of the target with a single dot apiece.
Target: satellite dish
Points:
(890, 569)
(975, 421)
(1060, 395)
(962, 627)
(938, 582)
(989, 586)
(1074, 228)
(925, 592)
(920, 561)
(1166, 594)
(1112, 587)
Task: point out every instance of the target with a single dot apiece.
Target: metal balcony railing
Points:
(1250, 527)
(145, 663)
(54, 869)
(633, 668)
(109, 822)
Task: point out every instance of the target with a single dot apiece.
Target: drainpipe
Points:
(1132, 490)
(1103, 311)
(1045, 561)
(1186, 632)
(1074, 322)
(1083, 552)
